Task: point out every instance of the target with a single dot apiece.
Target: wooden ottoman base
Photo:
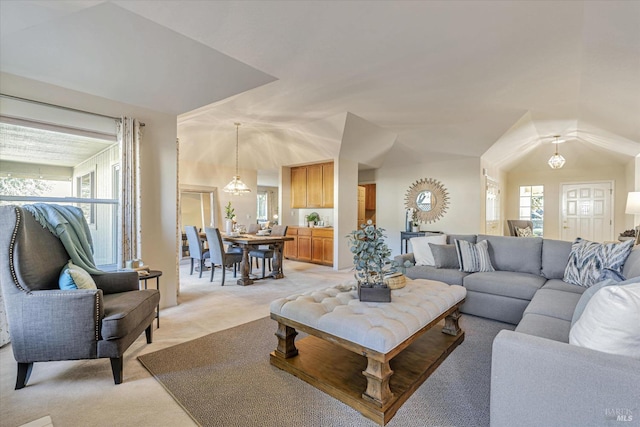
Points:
(376, 388)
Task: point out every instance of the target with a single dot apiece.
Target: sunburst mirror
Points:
(428, 199)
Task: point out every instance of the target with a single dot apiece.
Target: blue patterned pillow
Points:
(472, 257)
(588, 259)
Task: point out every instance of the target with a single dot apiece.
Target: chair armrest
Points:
(541, 382)
(400, 259)
(117, 281)
(56, 324)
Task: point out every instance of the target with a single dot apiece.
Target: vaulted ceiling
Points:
(447, 78)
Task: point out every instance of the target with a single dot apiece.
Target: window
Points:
(532, 206)
(263, 201)
(51, 164)
(85, 187)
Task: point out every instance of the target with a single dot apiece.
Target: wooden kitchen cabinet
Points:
(291, 247)
(310, 245)
(299, 187)
(370, 196)
(322, 246)
(304, 244)
(312, 186)
(327, 185)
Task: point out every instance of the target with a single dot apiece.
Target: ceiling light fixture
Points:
(556, 161)
(236, 186)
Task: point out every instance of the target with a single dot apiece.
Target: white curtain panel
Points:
(129, 136)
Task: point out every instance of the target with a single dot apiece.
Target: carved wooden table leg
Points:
(245, 267)
(451, 323)
(277, 261)
(286, 341)
(377, 374)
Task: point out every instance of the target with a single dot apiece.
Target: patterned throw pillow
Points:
(588, 259)
(473, 258)
(524, 232)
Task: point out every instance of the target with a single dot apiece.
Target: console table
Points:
(406, 235)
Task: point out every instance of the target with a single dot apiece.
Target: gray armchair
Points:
(519, 223)
(47, 323)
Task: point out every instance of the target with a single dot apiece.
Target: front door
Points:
(586, 211)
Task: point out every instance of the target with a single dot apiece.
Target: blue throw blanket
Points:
(69, 225)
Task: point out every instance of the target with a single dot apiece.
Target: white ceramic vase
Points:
(228, 226)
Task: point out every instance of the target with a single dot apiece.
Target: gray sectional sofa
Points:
(538, 378)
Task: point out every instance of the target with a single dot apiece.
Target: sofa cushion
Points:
(445, 256)
(506, 283)
(125, 311)
(510, 253)
(559, 285)
(421, 250)
(553, 303)
(555, 254)
(545, 327)
(611, 322)
(447, 275)
(588, 259)
(471, 238)
(473, 257)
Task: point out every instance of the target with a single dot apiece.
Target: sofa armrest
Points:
(536, 381)
(56, 324)
(400, 259)
(118, 281)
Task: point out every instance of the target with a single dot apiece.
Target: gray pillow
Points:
(445, 256)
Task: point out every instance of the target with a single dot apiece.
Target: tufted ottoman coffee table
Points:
(371, 356)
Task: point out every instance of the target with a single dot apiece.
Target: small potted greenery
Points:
(312, 219)
(228, 218)
(371, 262)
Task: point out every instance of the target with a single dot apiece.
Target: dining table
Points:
(248, 242)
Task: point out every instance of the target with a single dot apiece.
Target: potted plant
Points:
(371, 262)
(228, 218)
(312, 219)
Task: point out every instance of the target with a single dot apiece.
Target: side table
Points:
(153, 274)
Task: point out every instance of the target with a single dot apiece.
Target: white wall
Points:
(461, 178)
(346, 210)
(158, 170)
(207, 174)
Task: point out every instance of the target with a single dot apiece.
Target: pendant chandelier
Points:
(556, 161)
(236, 186)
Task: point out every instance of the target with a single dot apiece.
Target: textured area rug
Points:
(225, 379)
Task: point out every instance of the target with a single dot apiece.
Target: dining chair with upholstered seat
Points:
(196, 250)
(268, 252)
(253, 228)
(218, 255)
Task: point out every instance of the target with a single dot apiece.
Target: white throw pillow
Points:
(421, 250)
(610, 322)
